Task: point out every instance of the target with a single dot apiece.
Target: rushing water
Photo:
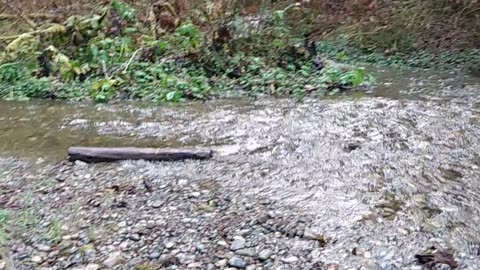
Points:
(410, 149)
(46, 129)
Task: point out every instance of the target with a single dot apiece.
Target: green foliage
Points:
(189, 36)
(126, 12)
(103, 90)
(25, 89)
(341, 50)
(55, 231)
(112, 55)
(10, 72)
(4, 218)
(354, 78)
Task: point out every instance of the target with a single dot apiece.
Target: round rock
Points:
(237, 244)
(265, 254)
(237, 262)
(154, 255)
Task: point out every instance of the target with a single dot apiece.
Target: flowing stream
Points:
(407, 152)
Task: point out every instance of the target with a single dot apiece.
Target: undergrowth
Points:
(171, 55)
(342, 50)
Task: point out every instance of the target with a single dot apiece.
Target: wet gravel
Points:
(342, 184)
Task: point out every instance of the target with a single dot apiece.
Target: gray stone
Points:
(200, 247)
(122, 224)
(92, 266)
(114, 259)
(154, 255)
(80, 164)
(265, 254)
(195, 265)
(333, 266)
(195, 194)
(123, 246)
(311, 235)
(37, 259)
(291, 259)
(367, 254)
(135, 261)
(151, 224)
(246, 252)
(221, 263)
(444, 267)
(43, 248)
(135, 237)
(222, 243)
(3, 265)
(237, 262)
(170, 245)
(237, 244)
(157, 204)
(182, 182)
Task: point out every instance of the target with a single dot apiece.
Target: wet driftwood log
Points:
(111, 154)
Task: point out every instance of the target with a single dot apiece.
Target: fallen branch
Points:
(109, 154)
(4, 16)
(54, 28)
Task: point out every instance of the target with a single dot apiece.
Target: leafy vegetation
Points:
(172, 55)
(343, 51)
(4, 217)
(55, 231)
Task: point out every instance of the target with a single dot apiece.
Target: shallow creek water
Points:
(409, 149)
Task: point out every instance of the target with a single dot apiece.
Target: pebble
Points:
(200, 247)
(80, 164)
(135, 237)
(237, 262)
(135, 261)
(246, 252)
(123, 245)
(221, 263)
(43, 248)
(195, 194)
(182, 182)
(311, 235)
(154, 255)
(444, 266)
(291, 259)
(37, 259)
(122, 224)
(333, 266)
(157, 204)
(265, 254)
(3, 265)
(367, 255)
(222, 243)
(151, 224)
(194, 265)
(74, 236)
(92, 266)
(237, 244)
(170, 245)
(112, 260)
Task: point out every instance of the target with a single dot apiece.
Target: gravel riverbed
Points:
(349, 184)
